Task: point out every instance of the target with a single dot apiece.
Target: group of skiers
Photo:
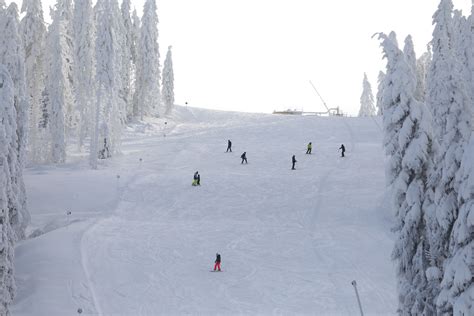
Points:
(197, 180)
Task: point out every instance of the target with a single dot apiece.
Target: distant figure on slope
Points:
(196, 179)
(244, 157)
(217, 264)
(310, 147)
(229, 146)
(343, 150)
(293, 161)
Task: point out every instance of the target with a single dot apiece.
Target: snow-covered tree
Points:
(12, 57)
(65, 12)
(8, 149)
(450, 107)
(410, 125)
(107, 128)
(422, 66)
(127, 66)
(134, 55)
(148, 68)
(367, 107)
(58, 84)
(409, 52)
(458, 282)
(168, 83)
(83, 27)
(33, 32)
(380, 88)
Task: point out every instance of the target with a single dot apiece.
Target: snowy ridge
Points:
(291, 241)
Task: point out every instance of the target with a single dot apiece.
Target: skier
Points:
(310, 147)
(229, 146)
(244, 157)
(217, 264)
(196, 179)
(343, 150)
(293, 160)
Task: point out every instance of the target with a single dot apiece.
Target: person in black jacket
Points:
(244, 157)
(229, 146)
(196, 179)
(293, 161)
(343, 150)
(217, 264)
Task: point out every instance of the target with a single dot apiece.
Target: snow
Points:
(144, 242)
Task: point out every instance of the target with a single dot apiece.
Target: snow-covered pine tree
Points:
(107, 129)
(122, 56)
(33, 33)
(450, 105)
(83, 26)
(134, 54)
(58, 84)
(168, 83)
(422, 66)
(458, 282)
(462, 48)
(127, 65)
(71, 116)
(12, 57)
(367, 107)
(409, 53)
(414, 145)
(148, 70)
(8, 149)
(380, 88)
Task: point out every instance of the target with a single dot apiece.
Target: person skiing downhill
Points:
(217, 264)
(310, 147)
(196, 179)
(343, 150)
(244, 157)
(229, 146)
(293, 161)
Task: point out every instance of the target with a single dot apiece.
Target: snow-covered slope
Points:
(140, 240)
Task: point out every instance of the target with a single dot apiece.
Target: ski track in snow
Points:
(291, 241)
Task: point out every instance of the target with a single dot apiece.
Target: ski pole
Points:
(354, 283)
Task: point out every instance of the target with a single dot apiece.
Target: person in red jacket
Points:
(217, 264)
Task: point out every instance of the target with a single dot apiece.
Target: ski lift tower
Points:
(330, 111)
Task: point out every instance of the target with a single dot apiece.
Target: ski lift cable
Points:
(319, 95)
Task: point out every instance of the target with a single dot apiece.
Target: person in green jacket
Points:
(310, 147)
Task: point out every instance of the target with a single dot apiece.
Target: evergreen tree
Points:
(134, 55)
(449, 104)
(127, 60)
(58, 84)
(8, 149)
(107, 121)
(380, 89)
(367, 107)
(33, 32)
(409, 53)
(148, 68)
(458, 282)
(12, 56)
(83, 26)
(410, 121)
(168, 83)
(422, 66)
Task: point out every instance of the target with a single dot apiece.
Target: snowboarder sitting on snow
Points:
(343, 150)
(293, 161)
(217, 264)
(244, 157)
(310, 147)
(196, 179)
(229, 146)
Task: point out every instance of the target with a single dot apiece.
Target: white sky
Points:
(258, 55)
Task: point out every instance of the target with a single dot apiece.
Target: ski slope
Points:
(140, 240)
